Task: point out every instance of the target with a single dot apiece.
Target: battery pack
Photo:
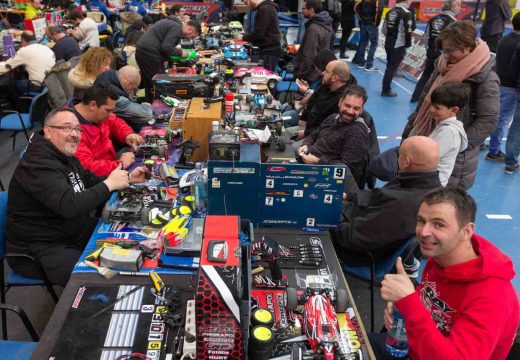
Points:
(121, 259)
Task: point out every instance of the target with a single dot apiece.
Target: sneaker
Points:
(343, 55)
(388, 94)
(511, 169)
(497, 157)
(412, 270)
(361, 65)
(484, 147)
(370, 68)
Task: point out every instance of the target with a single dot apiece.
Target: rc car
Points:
(259, 75)
(235, 52)
(154, 146)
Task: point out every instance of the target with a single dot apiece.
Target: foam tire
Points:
(281, 145)
(292, 298)
(271, 84)
(341, 300)
(106, 214)
(145, 216)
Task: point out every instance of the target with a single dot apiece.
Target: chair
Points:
(20, 350)
(16, 121)
(14, 279)
(374, 272)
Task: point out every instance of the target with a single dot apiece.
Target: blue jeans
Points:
(508, 98)
(301, 27)
(367, 32)
(513, 137)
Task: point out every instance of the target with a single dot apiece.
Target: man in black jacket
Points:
(380, 220)
(398, 28)
(266, 32)
(160, 42)
(497, 13)
(434, 27)
(324, 101)
(50, 198)
(318, 32)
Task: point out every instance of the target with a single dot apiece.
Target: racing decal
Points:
(76, 182)
(78, 297)
(222, 277)
(440, 310)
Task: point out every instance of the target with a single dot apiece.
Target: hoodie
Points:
(318, 33)
(50, 196)
(465, 311)
(134, 114)
(449, 134)
(266, 33)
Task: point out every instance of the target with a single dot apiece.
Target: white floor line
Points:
(398, 138)
(499, 217)
(396, 83)
(382, 137)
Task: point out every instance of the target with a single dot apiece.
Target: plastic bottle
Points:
(198, 189)
(396, 339)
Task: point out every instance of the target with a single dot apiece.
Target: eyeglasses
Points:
(67, 128)
(448, 51)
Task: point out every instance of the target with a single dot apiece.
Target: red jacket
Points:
(465, 311)
(96, 151)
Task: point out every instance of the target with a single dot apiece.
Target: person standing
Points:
(434, 27)
(508, 88)
(497, 12)
(369, 13)
(266, 32)
(160, 42)
(398, 28)
(348, 22)
(318, 31)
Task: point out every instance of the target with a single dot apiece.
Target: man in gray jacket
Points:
(497, 12)
(160, 42)
(125, 83)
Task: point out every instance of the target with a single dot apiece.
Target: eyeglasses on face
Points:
(448, 51)
(67, 128)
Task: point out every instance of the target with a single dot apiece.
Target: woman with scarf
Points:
(464, 58)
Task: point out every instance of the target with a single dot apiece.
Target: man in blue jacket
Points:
(125, 83)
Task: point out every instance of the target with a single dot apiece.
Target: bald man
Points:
(125, 82)
(324, 101)
(380, 220)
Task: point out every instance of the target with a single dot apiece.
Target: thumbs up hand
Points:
(394, 287)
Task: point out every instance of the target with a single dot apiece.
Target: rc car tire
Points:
(281, 145)
(271, 84)
(145, 216)
(106, 214)
(341, 300)
(292, 298)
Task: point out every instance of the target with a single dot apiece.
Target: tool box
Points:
(223, 291)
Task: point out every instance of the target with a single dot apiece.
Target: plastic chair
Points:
(19, 350)
(14, 279)
(16, 121)
(374, 272)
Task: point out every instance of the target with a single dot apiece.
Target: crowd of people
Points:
(466, 93)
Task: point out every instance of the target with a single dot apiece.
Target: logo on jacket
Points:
(440, 310)
(76, 182)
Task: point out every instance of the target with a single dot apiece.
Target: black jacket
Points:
(380, 220)
(266, 33)
(399, 26)
(322, 104)
(497, 13)
(369, 12)
(50, 196)
(506, 49)
(66, 48)
(318, 33)
(162, 38)
(435, 25)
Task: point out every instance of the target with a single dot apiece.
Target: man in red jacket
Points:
(96, 151)
(465, 306)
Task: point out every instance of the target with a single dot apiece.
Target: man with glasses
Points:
(51, 197)
(125, 82)
(96, 151)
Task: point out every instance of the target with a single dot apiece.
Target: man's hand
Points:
(310, 159)
(239, 37)
(394, 287)
(184, 53)
(134, 140)
(127, 159)
(137, 175)
(304, 149)
(300, 134)
(118, 179)
(389, 315)
(303, 85)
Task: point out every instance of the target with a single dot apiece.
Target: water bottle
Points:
(198, 189)
(396, 339)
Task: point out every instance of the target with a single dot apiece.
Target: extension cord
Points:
(190, 347)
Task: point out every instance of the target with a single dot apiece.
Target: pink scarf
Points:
(470, 65)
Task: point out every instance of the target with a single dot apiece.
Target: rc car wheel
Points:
(106, 214)
(145, 216)
(278, 126)
(271, 84)
(341, 300)
(292, 298)
(161, 151)
(281, 145)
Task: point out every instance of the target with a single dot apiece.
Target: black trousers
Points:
(57, 260)
(149, 65)
(394, 56)
(492, 41)
(429, 67)
(346, 29)
(271, 58)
